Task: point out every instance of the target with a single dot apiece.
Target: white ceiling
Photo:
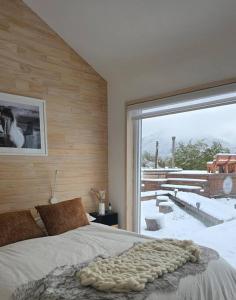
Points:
(123, 38)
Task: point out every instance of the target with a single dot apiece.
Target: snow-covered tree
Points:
(194, 156)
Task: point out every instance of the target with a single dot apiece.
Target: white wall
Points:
(145, 48)
(201, 69)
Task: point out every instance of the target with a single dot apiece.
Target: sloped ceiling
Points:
(123, 38)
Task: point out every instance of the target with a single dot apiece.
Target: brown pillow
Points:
(63, 216)
(18, 226)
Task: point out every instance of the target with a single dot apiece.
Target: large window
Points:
(183, 159)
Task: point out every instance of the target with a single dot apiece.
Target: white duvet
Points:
(33, 259)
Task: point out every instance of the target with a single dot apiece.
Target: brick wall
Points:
(212, 188)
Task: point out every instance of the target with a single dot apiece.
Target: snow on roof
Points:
(210, 206)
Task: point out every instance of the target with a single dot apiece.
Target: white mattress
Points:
(33, 259)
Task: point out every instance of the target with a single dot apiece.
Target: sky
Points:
(211, 123)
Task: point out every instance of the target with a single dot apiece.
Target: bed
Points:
(32, 259)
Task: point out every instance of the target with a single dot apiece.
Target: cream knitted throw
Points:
(141, 264)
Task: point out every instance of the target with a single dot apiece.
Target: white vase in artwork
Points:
(101, 209)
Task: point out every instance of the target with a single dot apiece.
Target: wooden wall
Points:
(36, 62)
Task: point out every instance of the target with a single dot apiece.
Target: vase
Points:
(101, 209)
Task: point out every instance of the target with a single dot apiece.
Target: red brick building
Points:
(222, 163)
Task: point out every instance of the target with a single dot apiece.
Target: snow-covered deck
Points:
(155, 179)
(180, 225)
(192, 172)
(177, 223)
(153, 193)
(181, 186)
(222, 209)
(210, 206)
(187, 179)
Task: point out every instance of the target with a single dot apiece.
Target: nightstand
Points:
(110, 218)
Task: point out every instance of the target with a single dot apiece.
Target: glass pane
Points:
(188, 185)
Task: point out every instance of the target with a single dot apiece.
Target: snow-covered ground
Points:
(220, 237)
(230, 202)
(179, 224)
(156, 193)
(222, 210)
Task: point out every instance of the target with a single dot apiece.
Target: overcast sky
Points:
(217, 122)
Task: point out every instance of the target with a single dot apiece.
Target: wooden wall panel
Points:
(36, 62)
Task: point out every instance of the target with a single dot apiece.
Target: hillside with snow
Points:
(212, 124)
(165, 142)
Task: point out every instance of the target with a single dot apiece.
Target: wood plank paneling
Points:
(36, 62)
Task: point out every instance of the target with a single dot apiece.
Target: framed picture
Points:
(22, 126)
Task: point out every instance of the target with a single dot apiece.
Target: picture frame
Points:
(23, 126)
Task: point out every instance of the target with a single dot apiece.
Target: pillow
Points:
(40, 223)
(18, 226)
(63, 216)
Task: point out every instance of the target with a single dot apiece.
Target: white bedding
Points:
(33, 259)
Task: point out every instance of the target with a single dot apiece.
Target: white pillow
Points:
(90, 218)
(40, 223)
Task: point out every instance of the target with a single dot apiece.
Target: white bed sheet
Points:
(33, 259)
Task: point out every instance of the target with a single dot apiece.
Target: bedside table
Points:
(110, 218)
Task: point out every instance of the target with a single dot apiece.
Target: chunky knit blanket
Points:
(65, 283)
(141, 264)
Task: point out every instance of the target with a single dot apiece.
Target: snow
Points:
(220, 237)
(162, 169)
(191, 172)
(211, 206)
(181, 186)
(163, 198)
(155, 179)
(154, 193)
(228, 201)
(187, 179)
(167, 203)
(222, 208)
(180, 225)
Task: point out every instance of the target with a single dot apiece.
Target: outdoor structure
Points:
(222, 163)
(218, 180)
